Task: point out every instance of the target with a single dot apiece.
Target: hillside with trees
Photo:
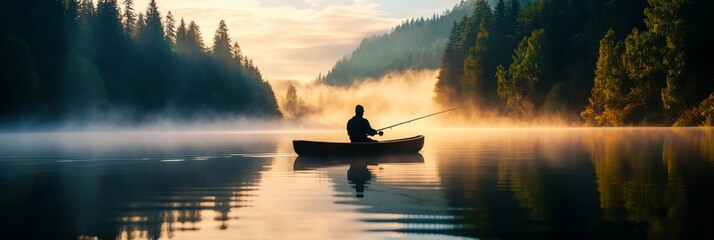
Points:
(609, 63)
(414, 44)
(81, 60)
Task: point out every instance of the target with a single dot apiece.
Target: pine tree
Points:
(152, 34)
(517, 85)
(446, 88)
(140, 23)
(222, 43)
(237, 54)
(474, 64)
(181, 37)
(111, 45)
(514, 9)
(129, 18)
(86, 9)
(501, 17)
(293, 105)
(170, 24)
(193, 39)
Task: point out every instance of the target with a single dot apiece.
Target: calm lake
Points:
(630, 183)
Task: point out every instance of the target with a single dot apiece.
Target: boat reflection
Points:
(358, 174)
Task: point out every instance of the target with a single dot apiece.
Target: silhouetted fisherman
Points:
(358, 128)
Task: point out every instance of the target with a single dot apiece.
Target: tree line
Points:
(651, 60)
(78, 59)
(416, 43)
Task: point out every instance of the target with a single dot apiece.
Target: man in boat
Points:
(358, 127)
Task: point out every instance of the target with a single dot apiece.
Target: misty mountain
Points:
(416, 43)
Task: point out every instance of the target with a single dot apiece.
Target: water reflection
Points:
(145, 193)
(358, 174)
(654, 183)
(484, 183)
(607, 183)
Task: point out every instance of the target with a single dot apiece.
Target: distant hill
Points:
(416, 43)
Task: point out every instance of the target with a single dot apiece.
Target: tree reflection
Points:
(646, 178)
(600, 184)
(135, 199)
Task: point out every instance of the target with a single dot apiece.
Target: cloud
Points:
(286, 41)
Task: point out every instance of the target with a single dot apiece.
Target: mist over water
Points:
(393, 98)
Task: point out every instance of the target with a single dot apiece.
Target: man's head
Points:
(359, 111)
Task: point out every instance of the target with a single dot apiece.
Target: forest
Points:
(417, 43)
(598, 63)
(603, 63)
(74, 59)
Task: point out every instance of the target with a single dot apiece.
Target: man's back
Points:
(358, 128)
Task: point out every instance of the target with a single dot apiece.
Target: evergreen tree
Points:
(111, 44)
(129, 18)
(87, 9)
(140, 24)
(181, 37)
(194, 41)
(451, 67)
(501, 17)
(514, 9)
(516, 86)
(222, 43)
(170, 24)
(237, 54)
(475, 64)
(152, 34)
(293, 105)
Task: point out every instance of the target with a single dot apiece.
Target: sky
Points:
(297, 39)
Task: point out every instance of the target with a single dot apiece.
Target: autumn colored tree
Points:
(606, 104)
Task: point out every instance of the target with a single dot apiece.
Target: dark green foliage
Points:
(607, 105)
(475, 64)
(170, 34)
(71, 58)
(415, 44)
(129, 17)
(451, 70)
(517, 86)
(222, 43)
(486, 39)
(657, 76)
(19, 85)
(644, 77)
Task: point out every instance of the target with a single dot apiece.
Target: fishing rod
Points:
(405, 122)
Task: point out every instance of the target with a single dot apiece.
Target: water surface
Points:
(476, 183)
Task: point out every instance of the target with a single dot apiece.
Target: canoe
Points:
(327, 149)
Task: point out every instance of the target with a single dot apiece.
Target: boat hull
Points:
(327, 149)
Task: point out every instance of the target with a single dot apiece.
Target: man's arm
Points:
(370, 130)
